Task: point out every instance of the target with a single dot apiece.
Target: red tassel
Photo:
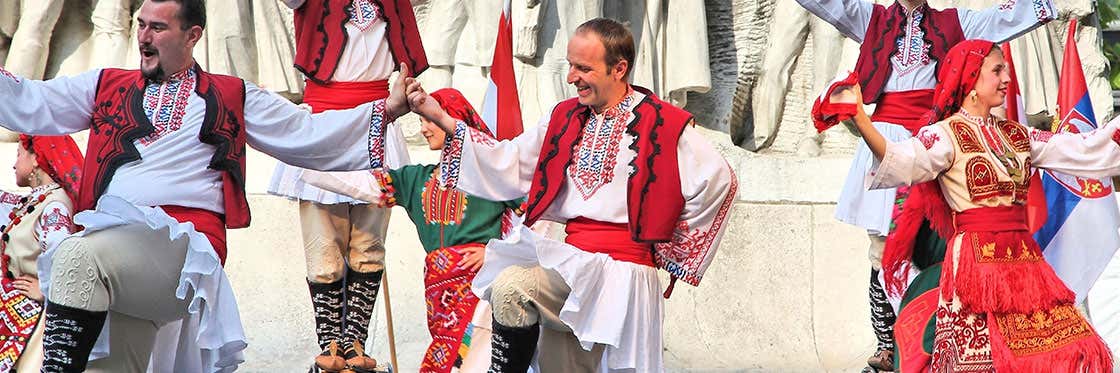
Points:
(925, 201)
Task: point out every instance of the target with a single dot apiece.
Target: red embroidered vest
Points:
(654, 200)
(320, 27)
(942, 31)
(119, 120)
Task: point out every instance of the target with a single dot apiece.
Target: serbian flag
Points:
(1080, 234)
(1017, 112)
(501, 109)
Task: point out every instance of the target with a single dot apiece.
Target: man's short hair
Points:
(191, 12)
(616, 38)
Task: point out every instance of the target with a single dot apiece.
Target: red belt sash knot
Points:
(209, 223)
(613, 239)
(343, 95)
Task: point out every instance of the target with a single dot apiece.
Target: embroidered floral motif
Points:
(377, 135)
(52, 222)
(1044, 330)
(913, 51)
(598, 148)
(481, 138)
(928, 138)
(9, 75)
(363, 13)
(988, 252)
(1007, 5)
(686, 252)
(165, 104)
(1044, 136)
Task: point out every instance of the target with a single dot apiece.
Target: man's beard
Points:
(156, 74)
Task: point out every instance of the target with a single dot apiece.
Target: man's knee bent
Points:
(76, 277)
(511, 296)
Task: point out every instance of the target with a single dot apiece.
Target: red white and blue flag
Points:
(1080, 234)
(501, 109)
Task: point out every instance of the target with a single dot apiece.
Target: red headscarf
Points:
(459, 108)
(956, 78)
(60, 157)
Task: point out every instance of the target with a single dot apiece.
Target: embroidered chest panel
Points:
(912, 48)
(596, 154)
(995, 159)
(363, 13)
(165, 104)
(443, 206)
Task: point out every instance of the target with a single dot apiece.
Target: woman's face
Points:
(25, 165)
(991, 86)
(436, 136)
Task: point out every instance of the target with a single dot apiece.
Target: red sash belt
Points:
(608, 238)
(992, 219)
(206, 222)
(343, 95)
(904, 108)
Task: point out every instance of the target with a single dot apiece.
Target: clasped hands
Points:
(407, 95)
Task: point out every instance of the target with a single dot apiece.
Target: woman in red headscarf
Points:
(1001, 307)
(30, 224)
(453, 228)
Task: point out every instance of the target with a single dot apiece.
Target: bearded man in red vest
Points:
(164, 179)
(900, 48)
(638, 187)
(347, 49)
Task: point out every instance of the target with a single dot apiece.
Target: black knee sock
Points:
(882, 315)
(512, 348)
(326, 302)
(69, 336)
(361, 295)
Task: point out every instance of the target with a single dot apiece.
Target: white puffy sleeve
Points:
(487, 168)
(915, 160)
(850, 17)
(47, 107)
(1094, 154)
(1006, 21)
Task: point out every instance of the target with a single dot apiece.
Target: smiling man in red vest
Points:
(347, 49)
(900, 48)
(638, 187)
(165, 178)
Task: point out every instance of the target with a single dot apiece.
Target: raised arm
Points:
(915, 160)
(477, 163)
(1094, 154)
(486, 168)
(333, 140)
(850, 17)
(58, 106)
(1006, 21)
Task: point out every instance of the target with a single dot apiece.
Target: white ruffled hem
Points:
(214, 322)
(612, 302)
(868, 209)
